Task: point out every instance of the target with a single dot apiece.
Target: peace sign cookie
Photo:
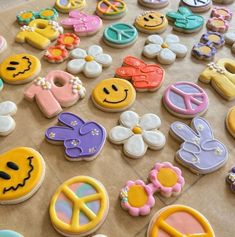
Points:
(197, 5)
(66, 6)
(120, 35)
(9, 233)
(154, 3)
(168, 222)
(79, 206)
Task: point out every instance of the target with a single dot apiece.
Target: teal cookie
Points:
(9, 233)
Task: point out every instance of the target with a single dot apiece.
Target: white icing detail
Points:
(196, 140)
(55, 26)
(195, 160)
(41, 81)
(52, 135)
(74, 123)
(216, 67)
(27, 28)
(218, 151)
(74, 143)
(200, 127)
(180, 126)
(92, 150)
(95, 132)
(77, 87)
(231, 177)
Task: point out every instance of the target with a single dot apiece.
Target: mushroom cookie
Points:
(20, 68)
(113, 95)
(22, 171)
(9, 233)
(79, 206)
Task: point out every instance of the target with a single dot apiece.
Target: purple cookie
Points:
(231, 179)
(82, 140)
(154, 3)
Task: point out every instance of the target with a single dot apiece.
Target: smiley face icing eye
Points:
(12, 165)
(4, 175)
(11, 68)
(114, 87)
(106, 91)
(14, 63)
(151, 17)
(146, 19)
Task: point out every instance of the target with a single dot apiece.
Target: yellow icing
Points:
(89, 58)
(15, 76)
(71, 5)
(164, 45)
(47, 13)
(214, 38)
(68, 40)
(26, 15)
(231, 120)
(218, 23)
(204, 49)
(167, 177)
(137, 196)
(56, 52)
(112, 9)
(80, 204)
(20, 156)
(118, 99)
(137, 130)
(222, 12)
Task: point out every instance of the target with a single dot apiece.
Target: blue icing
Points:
(94, 206)
(83, 219)
(9, 233)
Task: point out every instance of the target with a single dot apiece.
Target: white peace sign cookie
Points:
(79, 206)
(197, 5)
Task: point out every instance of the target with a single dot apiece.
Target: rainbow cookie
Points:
(20, 68)
(9, 233)
(137, 134)
(168, 222)
(220, 76)
(51, 97)
(230, 121)
(185, 99)
(231, 179)
(113, 95)
(151, 22)
(22, 173)
(79, 206)
(230, 40)
(197, 5)
(66, 6)
(144, 77)
(200, 151)
(82, 140)
(154, 3)
(3, 44)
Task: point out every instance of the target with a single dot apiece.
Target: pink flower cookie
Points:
(82, 23)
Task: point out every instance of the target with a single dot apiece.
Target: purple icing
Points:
(82, 140)
(196, 50)
(218, 44)
(233, 169)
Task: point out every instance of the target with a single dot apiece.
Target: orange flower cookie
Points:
(230, 121)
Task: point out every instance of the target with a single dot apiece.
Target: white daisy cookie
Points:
(230, 40)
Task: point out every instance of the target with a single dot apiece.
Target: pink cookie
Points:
(185, 99)
(3, 44)
(82, 23)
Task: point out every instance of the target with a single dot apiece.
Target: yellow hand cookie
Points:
(20, 68)
(113, 95)
(230, 121)
(22, 171)
(66, 6)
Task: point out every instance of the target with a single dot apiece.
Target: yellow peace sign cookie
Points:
(179, 221)
(22, 171)
(66, 6)
(79, 206)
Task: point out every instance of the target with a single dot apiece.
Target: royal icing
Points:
(1, 85)
(221, 76)
(166, 51)
(50, 96)
(82, 23)
(39, 33)
(184, 20)
(230, 40)
(154, 3)
(168, 222)
(144, 77)
(137, 197)
(22, 171)
(3, 44)
(82, 140)
(66, 6)
(113, 95)
(20, 68)
(89, 62)
(223, 1)
(200, 151)
(56, 54)
(231, 179)
(230, 121)
(79, 206)
(68, 40)
(185, 99)
(197, 5)
(9, 233)
(7, 123)
(137, 134)
(151, 22)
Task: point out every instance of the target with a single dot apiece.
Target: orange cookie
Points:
(230, 121)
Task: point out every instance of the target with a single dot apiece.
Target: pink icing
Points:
(213, 27)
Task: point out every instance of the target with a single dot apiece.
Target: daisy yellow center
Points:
(137, 196)
(164, 45)
(47, 13)
(89, 58)
(137, 130)
(26, 15)
(218, 23)
(167, 177)
(68, 40)
(56, 52)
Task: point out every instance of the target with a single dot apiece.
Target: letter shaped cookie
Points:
(144, 77)
(200, 152)
(82, 140)
(221, 75)
(51, 97)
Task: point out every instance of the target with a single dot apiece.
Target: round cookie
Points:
(79, 206)
(223, 1)
(65, 6)
(197, 5)
(168, 222)
(3, 44)
(9, 233)
(151, 22)
(22, 172)
(230, 121)
(1, 85)
(154, 3)
(20, 68)
(113, 95)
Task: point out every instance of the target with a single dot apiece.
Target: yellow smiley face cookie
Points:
(151, 22)
(113, 95)
(22, 171)
(20, 68)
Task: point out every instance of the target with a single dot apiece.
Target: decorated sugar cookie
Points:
(137, 134)
(3, 44)
(230, 40)
(22, 171)
(230, 121)
(231, 179)
(200, 151)
(51, 97)
(39, 33)
(137, 197)
(223, 12)
(7, 123)
(185, 21)
(166, 51)
(168, 222)
(151, 22)
(185, 99)
(82, 140)
(111, 9)
(89, 62)
(154, 3)
(1, 85)
(66, 6)
(20, 68)
(68, 40)
(9, 233)
(221, 77)
(197, 5)
(56, 54)
(113, 95)
(82, 23)
(79, 206)
(223, 1)
(120, 35)
(144, 77)
(99, 235)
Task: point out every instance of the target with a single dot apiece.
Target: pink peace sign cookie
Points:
(185, 99)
